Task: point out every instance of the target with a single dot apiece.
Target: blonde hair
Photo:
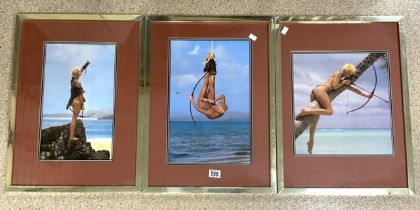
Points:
(348, 67)
(224, 107)
(210, 56)
(74, 70)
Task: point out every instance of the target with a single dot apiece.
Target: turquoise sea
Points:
(365, 141)
(214, 142)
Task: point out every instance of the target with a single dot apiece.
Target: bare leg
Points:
(76, 105)
(324, 100)
(312, 129)
(203, 91)
(211, 91)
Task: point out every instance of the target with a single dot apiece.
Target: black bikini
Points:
(74, 92)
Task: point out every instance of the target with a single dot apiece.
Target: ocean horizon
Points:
(97, 130)
(347, 141)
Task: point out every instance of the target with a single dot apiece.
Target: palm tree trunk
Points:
(303, 123)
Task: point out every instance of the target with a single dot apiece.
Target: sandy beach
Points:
(101, 144)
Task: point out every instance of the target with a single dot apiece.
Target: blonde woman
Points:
(76, 100)
(320, 94)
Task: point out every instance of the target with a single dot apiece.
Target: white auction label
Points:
(284, 30)
(215, 173)
(253, 37)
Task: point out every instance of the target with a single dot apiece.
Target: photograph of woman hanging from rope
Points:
(203, 128)
(77, 116)
(341, 103)
(208, 104)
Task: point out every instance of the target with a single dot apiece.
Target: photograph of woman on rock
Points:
(71, 128)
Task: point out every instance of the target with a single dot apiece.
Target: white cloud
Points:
(232, 79)
(195, 50)
(302, 89)
(220, 52)
(61, 57)
(344, 58)
(72, 54)
(183, 80)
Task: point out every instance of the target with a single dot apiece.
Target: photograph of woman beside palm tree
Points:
(327, 89)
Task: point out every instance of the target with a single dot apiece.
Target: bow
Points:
(192, 94)
(82, 115)
(371, 93)
(84, 67)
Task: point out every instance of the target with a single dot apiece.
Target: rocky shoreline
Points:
(55, 144)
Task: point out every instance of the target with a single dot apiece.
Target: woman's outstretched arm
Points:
(198, 108)
(221, 98)
(357, 91)
(85, 66)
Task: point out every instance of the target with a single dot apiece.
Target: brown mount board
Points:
(163, 175)
(27, 169)
(361, 171)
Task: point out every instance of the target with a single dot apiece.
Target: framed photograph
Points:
(74, 103)
(344, 104)
(227, 134)
(209, 105)
(346, 128)
(80, 130)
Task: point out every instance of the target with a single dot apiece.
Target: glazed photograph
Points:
(342, 103)
(78, 101)
(209, 118)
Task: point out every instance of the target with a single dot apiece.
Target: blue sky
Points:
(98, 83)
(311, 69)
(232, 79)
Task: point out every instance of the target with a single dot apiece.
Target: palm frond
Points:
(383, 65)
